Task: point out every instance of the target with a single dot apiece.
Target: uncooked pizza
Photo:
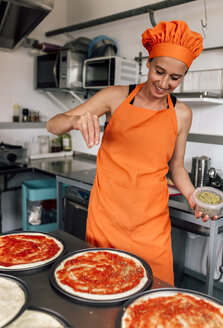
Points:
(20, 251)
(102, 274)
(172, 309)
(37, 318)
(12, 299)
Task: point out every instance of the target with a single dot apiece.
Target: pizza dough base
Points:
(35, 319)
(12, 299)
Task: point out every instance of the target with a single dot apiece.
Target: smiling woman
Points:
(144, 139)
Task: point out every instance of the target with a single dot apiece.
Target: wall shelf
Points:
(22, 125)
(199, 98)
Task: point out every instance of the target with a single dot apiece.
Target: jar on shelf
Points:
(31, 116)
(43, 144)
(36, 116)
(55, 145)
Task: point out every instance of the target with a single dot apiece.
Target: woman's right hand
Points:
(89, 126)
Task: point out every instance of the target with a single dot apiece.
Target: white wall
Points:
(16, 67)
(127, 34)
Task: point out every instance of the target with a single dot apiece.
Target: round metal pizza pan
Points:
(26, 291)
(61, 319)
(99, 302)
(161, 292)
(31, 269)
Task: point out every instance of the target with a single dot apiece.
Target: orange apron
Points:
(128, 206)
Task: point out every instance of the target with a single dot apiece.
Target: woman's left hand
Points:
(199, 214)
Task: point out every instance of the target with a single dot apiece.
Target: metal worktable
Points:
(183, 218)
(80, 315)
(79, 171)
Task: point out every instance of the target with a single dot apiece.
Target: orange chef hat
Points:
(173, 39)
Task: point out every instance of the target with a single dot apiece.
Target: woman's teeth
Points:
(160, 88)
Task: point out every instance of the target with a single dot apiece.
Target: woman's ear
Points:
(148, 63)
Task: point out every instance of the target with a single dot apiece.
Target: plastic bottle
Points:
(66, 140)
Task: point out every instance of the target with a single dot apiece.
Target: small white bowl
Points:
(208, 209)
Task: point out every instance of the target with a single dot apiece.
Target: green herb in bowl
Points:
(208, 200)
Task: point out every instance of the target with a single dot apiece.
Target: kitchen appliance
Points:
(12, 156)
(59, 70)
(18, 18)
(202, 174)
(76, 209)
(101, 72)
(76, 203)
(199, 171)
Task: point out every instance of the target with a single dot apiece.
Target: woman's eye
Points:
(159, 72)
(174, 78)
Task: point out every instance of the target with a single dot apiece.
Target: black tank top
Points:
(132, 87)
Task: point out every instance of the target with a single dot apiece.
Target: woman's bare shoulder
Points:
(115, 95)
(184, 115)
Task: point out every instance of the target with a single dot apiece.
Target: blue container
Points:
(38, 190)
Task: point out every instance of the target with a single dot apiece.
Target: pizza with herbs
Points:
(172, 310)
(102, 274)
(20, 251)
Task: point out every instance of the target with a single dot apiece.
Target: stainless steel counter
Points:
(80, 315)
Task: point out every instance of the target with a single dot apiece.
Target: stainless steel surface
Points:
(198, 94)
(212, 173)
(205, 138)
(200, 171)
(80, 315)
(182, 217)
(19, 17)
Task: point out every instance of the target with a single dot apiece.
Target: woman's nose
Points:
(164, 83)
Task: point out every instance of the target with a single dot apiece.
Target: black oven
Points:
(75, 211)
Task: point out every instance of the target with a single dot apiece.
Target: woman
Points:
(143, 141)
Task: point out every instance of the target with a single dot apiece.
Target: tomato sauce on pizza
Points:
(100, 273)
(180, 310)
(21, 249)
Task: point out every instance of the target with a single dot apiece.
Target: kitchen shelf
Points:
(22, 125)
(199, 98)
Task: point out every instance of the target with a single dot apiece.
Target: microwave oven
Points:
(61, 70)
(101, 72)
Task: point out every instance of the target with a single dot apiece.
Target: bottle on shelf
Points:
(66, 142)
(25, 115)
(16, 113)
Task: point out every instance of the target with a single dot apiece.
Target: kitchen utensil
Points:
(200, 171)
(215, 179)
